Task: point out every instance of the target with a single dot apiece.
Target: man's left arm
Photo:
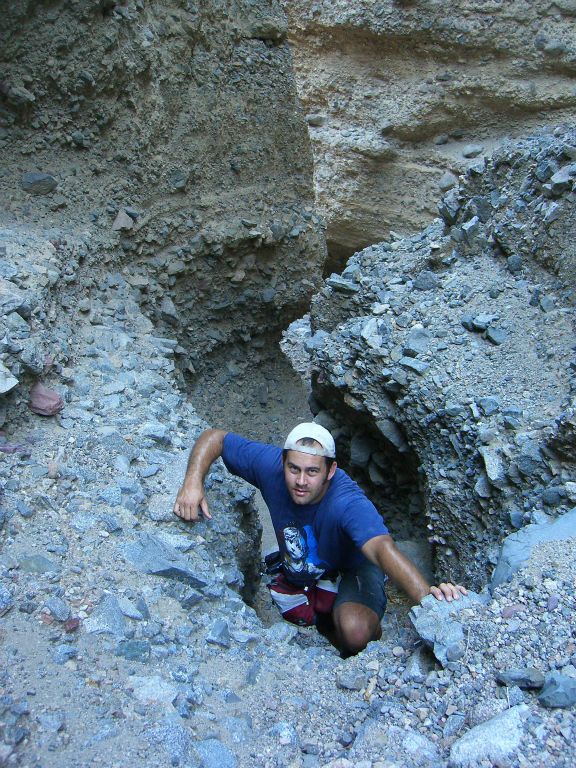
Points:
(383, 552)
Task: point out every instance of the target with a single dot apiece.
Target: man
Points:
(336, 550)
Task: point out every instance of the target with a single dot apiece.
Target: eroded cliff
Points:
(402, 96)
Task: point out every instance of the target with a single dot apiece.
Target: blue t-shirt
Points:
(313, 538)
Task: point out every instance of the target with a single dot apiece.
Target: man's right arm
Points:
(191, 497)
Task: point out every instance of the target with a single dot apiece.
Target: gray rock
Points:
(175, 740)
(134, 650)
(417, 342)
(6, 600)
(494, 740)
(361, 448)
(281, 632)
(219, 634)
(559, 691)
(238, 729)
(449, 206)
(418, 366)
(7, 380)
(523, 677)
(426, 281)
(153, 690)
(496, 336)
(350, 680)
(38, 183)
(488, 405)
(63, 653)
(409, 747)
(436, 623)
(58, 608)
(107, 618)
(517, 548)
(494, 466)
(340, 285)
(285, 733)
(472, 150)
(392, 432)
(53, 722)
(150, 555)
(38, 564)
(418, 665)
(214, 754)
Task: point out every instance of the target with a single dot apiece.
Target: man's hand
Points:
(191, 503)
(448, 592)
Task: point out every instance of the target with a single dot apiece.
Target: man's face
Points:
(307, 477)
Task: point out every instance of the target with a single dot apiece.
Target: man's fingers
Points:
(204, 508)
(192, 512)
(447, 591)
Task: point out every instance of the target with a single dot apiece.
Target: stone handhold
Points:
(44, 401)
(122, 222)
(38, 183)
(436, 623)
(495, 740)
(559, 691)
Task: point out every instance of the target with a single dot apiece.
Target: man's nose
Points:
(301, 480)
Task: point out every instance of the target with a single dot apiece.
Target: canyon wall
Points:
(402, 96)
(170, 131)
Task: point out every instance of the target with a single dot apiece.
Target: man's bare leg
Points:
(355, 626)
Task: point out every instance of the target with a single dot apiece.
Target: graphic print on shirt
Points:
(301, 562)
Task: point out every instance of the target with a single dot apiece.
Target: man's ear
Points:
(332, 470)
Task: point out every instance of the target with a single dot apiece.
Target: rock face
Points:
(172, 132)
(444, 361)
(402, 96)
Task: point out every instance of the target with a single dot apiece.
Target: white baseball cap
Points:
(316, 433)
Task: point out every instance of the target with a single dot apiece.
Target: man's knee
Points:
(356, 628)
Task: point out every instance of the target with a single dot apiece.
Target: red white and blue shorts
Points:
(301, 605)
